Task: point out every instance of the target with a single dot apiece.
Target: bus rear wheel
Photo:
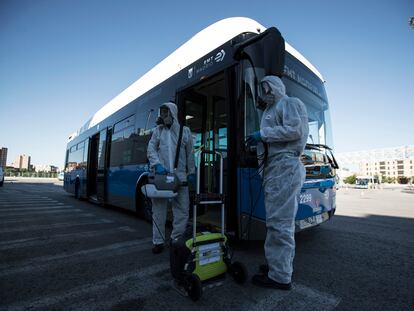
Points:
(77, 189)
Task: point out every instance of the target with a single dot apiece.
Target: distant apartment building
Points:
(389, 162)
(391, 168)
(46, 168)
(22, 162)
(17, 163)
(26, 162)
(3, 157)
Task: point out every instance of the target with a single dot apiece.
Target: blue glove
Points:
(160, 170)
(192, 180)
(253, 138)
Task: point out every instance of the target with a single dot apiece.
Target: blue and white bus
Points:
(366, 182)
(213, 78)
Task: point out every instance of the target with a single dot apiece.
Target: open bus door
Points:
(204, 109)
(98, 154)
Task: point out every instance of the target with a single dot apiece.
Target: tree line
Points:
(13, 172)
(384, 179)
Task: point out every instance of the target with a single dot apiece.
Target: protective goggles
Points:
(265, 88)
(164, 112)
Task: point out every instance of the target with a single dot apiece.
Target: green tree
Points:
(10, 171)
(402, 180)
(350, 179)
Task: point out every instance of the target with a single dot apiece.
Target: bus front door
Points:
(204, 111)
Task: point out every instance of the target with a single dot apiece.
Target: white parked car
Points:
(1, 176)
(61, 175)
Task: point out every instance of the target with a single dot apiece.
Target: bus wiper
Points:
(318, 147)
(335, 164)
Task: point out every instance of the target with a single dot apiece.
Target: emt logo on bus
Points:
(220, 56)
(207, 64)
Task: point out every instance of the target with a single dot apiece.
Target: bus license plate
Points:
(311, 221)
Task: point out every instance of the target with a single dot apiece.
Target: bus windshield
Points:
(300, 82)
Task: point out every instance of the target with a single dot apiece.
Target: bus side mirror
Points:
(266, 50)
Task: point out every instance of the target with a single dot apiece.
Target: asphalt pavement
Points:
(58, 253)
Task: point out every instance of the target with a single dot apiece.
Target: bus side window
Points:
(75, 157)
(140, 146)
(123, 142)
(67, 160)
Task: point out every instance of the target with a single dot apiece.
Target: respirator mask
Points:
(164, 116)
(265, 97)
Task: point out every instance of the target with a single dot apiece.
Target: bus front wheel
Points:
(143, 206)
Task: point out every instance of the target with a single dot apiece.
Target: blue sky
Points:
(60, 61)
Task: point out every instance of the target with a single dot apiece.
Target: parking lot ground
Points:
(60, 253)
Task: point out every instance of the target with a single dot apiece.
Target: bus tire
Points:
(77, 189)
(143, 206)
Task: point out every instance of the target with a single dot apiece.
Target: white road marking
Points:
(24, 198)
(23, 204)
(55, 226)
(17, 205)
(77, 292)
(47, 262)
(24, 221)
(299, 298)
(40, 241)
(35, 208)
(54, 211)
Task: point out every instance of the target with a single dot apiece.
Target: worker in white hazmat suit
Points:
(161, 155)
(284, 129)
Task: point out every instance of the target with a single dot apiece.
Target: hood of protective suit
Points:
(277, 86)
(173, 109)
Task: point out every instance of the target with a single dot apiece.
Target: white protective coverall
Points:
(161, 150)
(284, 127)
